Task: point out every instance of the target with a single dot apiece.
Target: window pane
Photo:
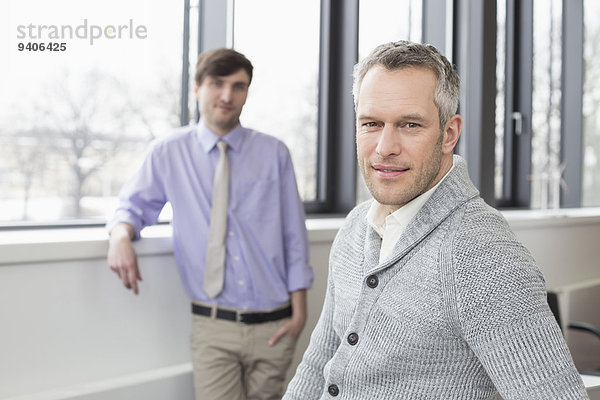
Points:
(382, 21)
(281, 39)
(591, 105)
(500, 98)
(75, 123)
(546, 116)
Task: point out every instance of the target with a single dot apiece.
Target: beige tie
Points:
(214, 270)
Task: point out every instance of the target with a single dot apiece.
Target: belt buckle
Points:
(238, 316)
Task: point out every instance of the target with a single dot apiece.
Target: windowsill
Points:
(547, 218)
(46, 245)
(60, 244)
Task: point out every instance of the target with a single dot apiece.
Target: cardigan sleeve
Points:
(504, 316)
(309, 381)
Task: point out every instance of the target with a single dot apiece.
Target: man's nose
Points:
(389, 142)
(227, 94)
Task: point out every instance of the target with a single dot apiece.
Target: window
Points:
(382, 21)
(546, 102)
(547, 96)
(74, 124)
(512, 112)
(75, 121)
(283, 97)
(500, 100)
(591, 105)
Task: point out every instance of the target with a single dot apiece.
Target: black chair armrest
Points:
(584, 326)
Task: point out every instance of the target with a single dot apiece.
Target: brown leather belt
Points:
(243, 317)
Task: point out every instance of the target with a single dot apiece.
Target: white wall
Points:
(66, 323)
(565, 244)
(69, 330)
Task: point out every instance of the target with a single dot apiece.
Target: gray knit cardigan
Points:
(458, 311)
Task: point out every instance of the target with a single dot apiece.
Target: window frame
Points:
(464, 30)
(572, 103)
(516, 191)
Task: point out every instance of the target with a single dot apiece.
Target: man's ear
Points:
(451, 133)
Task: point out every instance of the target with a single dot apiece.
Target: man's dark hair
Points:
(221, 62)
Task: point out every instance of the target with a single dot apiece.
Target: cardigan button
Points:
(372, 281)
(333, 390)
(352, 338)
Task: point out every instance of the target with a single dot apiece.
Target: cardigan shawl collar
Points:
(455, 190)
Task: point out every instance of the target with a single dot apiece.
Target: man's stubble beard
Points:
(414, 188)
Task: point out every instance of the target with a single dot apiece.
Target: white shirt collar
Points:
(391, 226)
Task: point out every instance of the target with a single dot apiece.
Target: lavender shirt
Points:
(267, 245)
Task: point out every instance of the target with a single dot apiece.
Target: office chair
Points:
(578, 326)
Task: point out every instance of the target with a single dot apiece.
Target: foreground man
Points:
(239, 236)
(430, 295)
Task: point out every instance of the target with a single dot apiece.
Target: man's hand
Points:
(294, 326)
(122, 258)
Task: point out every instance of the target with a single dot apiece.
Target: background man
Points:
(239, 236)
(429, 293)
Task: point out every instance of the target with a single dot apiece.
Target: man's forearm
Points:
(298, 300)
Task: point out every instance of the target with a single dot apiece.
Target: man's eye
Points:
(412, 125)
(370, 124)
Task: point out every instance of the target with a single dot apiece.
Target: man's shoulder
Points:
(179, 137)
(484, 243)
(262, 138)
(359, 211)
(349, 240)
(356, 218)
(480, 216)
(266, 147)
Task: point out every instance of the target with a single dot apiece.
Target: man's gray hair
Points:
(403, 54)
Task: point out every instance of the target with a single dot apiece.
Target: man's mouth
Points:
(223, 107)
(386, 171)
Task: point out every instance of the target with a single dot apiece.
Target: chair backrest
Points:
(553, 303)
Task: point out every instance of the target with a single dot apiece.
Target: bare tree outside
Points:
(546, 114)
(79, 128)
(85, 125)
(75, 123)
(283, 96)
(27, 162)
(591, 107)
(302, 139)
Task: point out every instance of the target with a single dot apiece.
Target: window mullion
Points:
(523, 84)
(572, 104)
(337, 152)
(475, 46)
(185, 71)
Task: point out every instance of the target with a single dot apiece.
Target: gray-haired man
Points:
(430, 295)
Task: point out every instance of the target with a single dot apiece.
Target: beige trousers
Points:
(232, 361)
